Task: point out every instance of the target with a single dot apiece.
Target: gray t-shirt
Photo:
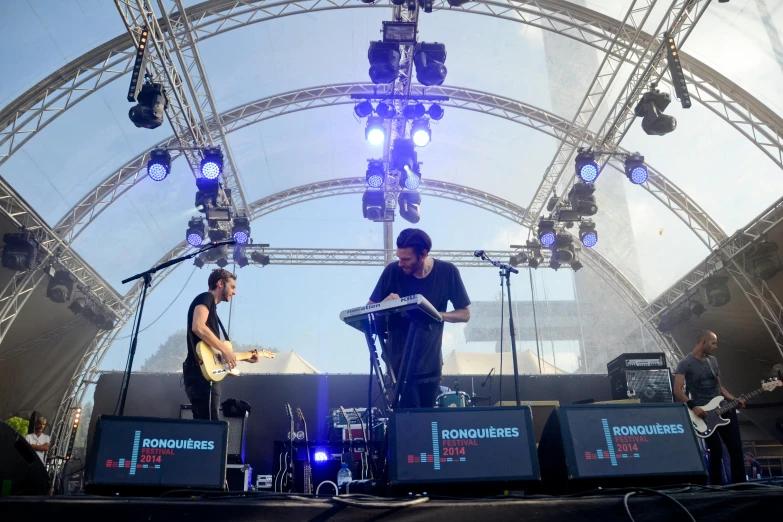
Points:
(701, 382)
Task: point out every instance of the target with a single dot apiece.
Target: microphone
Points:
(226, 242)
(483, 384)
(478, 253)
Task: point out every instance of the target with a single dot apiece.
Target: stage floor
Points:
(704, 505)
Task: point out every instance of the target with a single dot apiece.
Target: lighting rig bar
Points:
(392, 96)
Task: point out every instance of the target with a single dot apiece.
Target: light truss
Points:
(191, 130)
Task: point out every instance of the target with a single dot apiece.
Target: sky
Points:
(296, 307)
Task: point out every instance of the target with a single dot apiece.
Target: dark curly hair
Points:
(220, 274)
(416, 239)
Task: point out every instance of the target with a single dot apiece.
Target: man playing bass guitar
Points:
(699, 371)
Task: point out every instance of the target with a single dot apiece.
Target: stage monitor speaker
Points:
(540, 411)
(237, 432)
(618, 445)
(490, 446)
(21, 470)
(649, 386)
(147, 455)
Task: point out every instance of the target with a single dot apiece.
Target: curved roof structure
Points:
(555, 75)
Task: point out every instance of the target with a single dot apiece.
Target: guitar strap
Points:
(222, 329)
(710, 360)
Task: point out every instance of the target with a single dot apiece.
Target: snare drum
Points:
(453, 399)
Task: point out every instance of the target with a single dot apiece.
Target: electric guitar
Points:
(213, 368)
(286, 457)
(706, 427)
(308, 473)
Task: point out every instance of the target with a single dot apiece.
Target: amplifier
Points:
(494, 446)
(145, 455)
(237, 431)
(637, 361)
(649, 386)
(619, 445)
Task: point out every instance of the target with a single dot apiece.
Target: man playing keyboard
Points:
(439, 282)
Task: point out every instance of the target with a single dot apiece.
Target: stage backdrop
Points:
(160, 395)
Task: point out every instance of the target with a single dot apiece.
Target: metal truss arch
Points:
(43, 103)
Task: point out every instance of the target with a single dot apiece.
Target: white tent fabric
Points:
(470, 363)
(290, 363)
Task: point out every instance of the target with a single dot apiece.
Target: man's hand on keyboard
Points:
(391, 296)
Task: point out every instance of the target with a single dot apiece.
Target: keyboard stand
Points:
(373, 328)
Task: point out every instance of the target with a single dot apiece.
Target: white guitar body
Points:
(706, 427)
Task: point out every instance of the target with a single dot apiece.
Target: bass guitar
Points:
(308, 472)
(213, 368)
(706, 427)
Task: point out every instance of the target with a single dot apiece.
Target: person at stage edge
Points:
(203, 325)
(416, 272)
(39, 440)
(700, 372)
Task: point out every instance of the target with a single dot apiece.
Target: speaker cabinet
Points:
(21, 471)
(237, 430)
(649, 386)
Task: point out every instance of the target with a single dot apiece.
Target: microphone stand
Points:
(147, 276)
(505, 273)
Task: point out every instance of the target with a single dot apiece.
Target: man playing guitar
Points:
(699, 370)
(203, 325)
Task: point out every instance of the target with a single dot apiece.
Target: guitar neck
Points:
(733, 404)
(244, 356)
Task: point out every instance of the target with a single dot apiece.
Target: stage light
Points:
(430, 59)
(697, 308)
(717, 291)
(151, 108)
(535, 253)
(398, 32)
(420, 132)
(586, 167)
(582, 199)
(239, 256)
(650, 108)
(403, 154)
(20, 251)
(195, 232)
(199, 261)
(576, 265)
(678, 77)
(563, 251)
(409, 178)
(212, 164)
(414, 111)
(517, 259)
(374, 205)
(458, 3)
(587, 233)
(241, 230)
(159, 165)
(635, 169)
(546, 232)
(60, 286)
(763, 260)
(435, 112)
(320, 456)
(260, 258)
(384, 62)
(376, 174)
(375, 131)
(385, 111)
(363, 109)
(409, 206)
(78, 305)
(209, 202)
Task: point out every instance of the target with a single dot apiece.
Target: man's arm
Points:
(728, 395)
(461, 315)
(200, 328)
(40, 447)
(679, 393)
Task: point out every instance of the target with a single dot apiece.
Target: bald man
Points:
(700, 372)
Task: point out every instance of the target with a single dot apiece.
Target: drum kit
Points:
(458, 399)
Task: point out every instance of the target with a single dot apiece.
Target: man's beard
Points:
(225, 294)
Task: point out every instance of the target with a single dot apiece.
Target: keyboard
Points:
(416, 307)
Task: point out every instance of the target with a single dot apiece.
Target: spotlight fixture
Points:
(209, 202)
(563, 251)
(375, 131)
(650, 108)
(78, 305)
(518, 259)
(384, 60)
(138, 65)
(675, 69)
(195, 232)
(374, 205)
(403, 154)
(241, 230)
(212, 164)
(421, 133)
(151, 108)
(414, 111)
(385, 111)
(458, 3)
(763, 261)
(60, 286)
(586, 167)
(717, 291)
(535, 253)
(159, 165)
(363, 109)
(582, 199)
(409, 206)
(239, 256)
(587, 233)
(696, 308)
(676, 316)
(260, 258)
(376, 174)
(430, 59)
(576, 265)
(635, 169)
(435, 111)
(410, 178)
(546, 232)
(403, 33)
(20, 251)
(199, 261)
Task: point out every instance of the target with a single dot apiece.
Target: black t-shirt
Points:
(207, 299)
(442, 284)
